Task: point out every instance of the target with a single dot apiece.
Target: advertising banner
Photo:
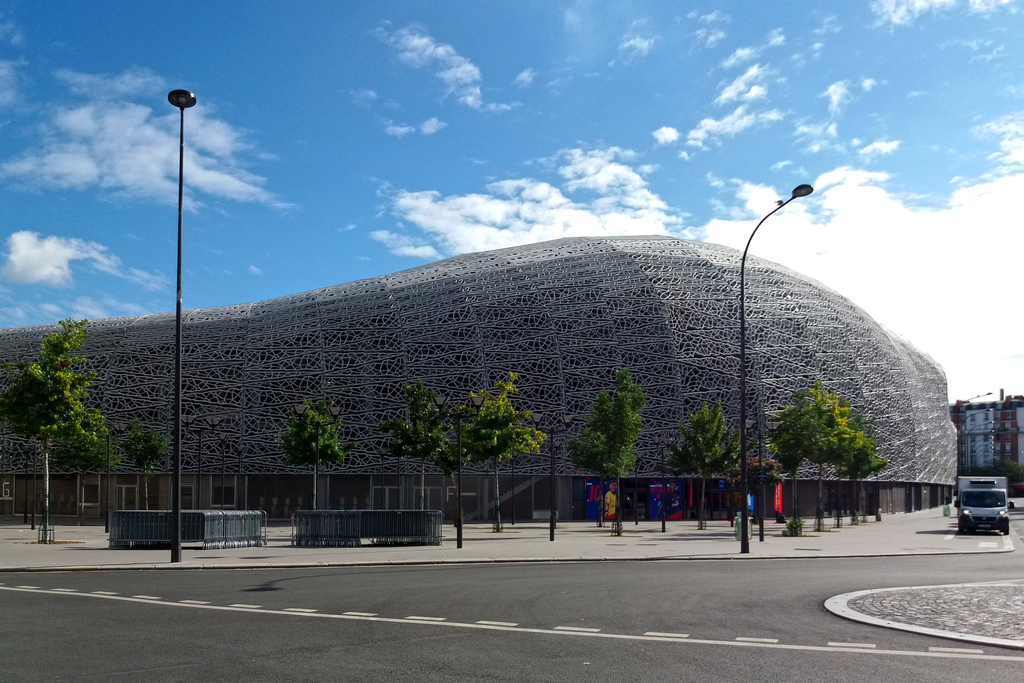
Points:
(594, 494)
(671, 493)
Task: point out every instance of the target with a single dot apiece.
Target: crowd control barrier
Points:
(213, 528)
(347, 528)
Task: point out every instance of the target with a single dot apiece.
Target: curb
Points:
(491, 560)
(839, 606)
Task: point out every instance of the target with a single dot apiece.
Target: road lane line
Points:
(961, 650)
(578, 629)
(987, 544)
(147, 597)
(65, 590)
(757, 640)
(303, 610)
(29, 587)
(103, 593)
(865, 645)
(194, 602)
(949, 537)
(667, 635)
(360, 614)
(415, 618)
(497, 623)
(242, 605)
(678, 642)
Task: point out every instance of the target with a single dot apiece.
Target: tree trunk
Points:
(701, 523)
(81, 499)
(45, 532)
(796, 504)
(423, 490)
(497, 498)
(819, 513)
(145, 492)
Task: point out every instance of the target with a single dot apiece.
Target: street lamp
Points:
(665, 442)
(182, 99)
(441, 400)
(118, 428)
(300, 410)
(798, 191)
(566, 419)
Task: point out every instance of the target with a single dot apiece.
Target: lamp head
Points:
(802, 191)
(335, 411)
(536, 418)
(213, 421)
(182, 99)
(477, 400)
(300, 409)
(440, 400)
(567, 419)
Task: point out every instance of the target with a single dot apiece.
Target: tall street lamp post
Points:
(182, 99)
(300, 410)
(441, 400)
(118, 428)
(566, 420)
(798, 191)
(665, 442)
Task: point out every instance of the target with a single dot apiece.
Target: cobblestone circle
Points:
(993, 611)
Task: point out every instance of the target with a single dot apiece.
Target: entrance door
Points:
(126, 497)
(187, 497)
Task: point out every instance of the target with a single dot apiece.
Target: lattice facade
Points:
(564, 315)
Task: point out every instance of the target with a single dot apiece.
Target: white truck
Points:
(983, 505)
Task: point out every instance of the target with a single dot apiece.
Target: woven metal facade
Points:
(564, 315)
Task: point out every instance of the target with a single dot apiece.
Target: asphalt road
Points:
(246, 624)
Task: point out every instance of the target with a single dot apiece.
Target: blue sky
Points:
(337, 141)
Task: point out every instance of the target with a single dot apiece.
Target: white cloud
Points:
(838, 95)
(817, 137)
(1010, 130)
(781, 165)
(749, 86)
(634, 44)
(868, 84)
(123, 149)
(775, 38)
(10, 34)
(460, 76)
(712, 130)
(363, 97)
(431, 126)
(133, 81)
(31, 259)
(253, 270)
(709, 37)
(9, 92)
(904, 12)
(398, 129)
(86, 307)
(882, 250)
(527, 210)
(715, 17)
(525, 78)
(666, 135)
(403, 245)
(878, 148)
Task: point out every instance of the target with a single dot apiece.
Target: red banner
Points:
(778, 497)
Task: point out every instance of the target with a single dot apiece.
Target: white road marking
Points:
(194, 602)
(987, 544)
(961, 650)
(757, 640)
(147, 597)
(578, 629)
(864, 645)
(667, 635)
(103, 593)
(415, 618)
(304, 610)
(65, 590)
(31, 587)
(497, 623)
(949, 537)
(242, 605)
(360, 614)
(681, 642)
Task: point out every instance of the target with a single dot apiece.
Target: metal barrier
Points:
(213, 528)
(347, 528)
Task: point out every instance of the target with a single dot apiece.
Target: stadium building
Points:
(564, 315)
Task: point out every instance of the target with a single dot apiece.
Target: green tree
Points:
(801, 434)
(422, 435)
(606, 446)
(312, 438)
(708, 448)
(496, 432)
(858, 455)
(145, 448)
(45, 400)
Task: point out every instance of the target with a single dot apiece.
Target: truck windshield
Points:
(983, 499)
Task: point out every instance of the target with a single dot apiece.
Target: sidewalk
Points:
(919, 533)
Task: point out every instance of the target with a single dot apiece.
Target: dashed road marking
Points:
(242, 605)
(864, 645)
(33, 587)
(415, 618)
(360, 614)
(147, 597)
(194, 602)
(949, 537)
(103, 593)
(987, 544)
(667, 635)
(497, 623)
(65, 590)
(303, 610)
(960, 650)
(567, 631)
